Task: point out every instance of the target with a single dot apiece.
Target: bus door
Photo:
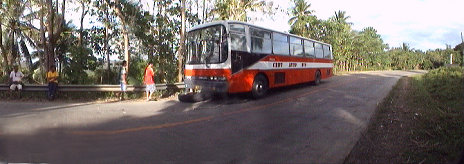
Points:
(237, 61)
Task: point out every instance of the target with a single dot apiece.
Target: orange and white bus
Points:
(234, 57)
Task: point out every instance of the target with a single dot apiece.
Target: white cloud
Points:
(424, 24)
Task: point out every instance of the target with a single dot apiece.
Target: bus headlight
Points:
(221, 78)
(216, 78)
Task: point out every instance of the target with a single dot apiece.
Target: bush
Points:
(39, 76)
(102, 76)
(439, 103)
(445, 83)
(4, 79)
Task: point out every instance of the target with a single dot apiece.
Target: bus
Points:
(237, 57)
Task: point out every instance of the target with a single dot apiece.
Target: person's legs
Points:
(20, 88)
(50, 89)
(55, 86)
(147, 92)
(12, 89)
(123, 91)
(152, 89)
(151, 93)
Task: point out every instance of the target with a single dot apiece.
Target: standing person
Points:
(149, 81)
(123, 79)
(52, 78)
(16, 80)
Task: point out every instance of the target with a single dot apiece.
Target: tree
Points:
(17, 28)
(117, 5)
(303, 22)
(2, 48)
(84, 12)
(340, 17)
(237, 9)
(301, 15)
(180, 55)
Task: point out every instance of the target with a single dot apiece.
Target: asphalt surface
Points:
(298, 124)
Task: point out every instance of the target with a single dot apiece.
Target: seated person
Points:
(16, 80)
(52, 78)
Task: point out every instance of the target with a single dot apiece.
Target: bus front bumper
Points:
(206, 84)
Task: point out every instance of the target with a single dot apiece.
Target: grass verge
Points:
(420, 121)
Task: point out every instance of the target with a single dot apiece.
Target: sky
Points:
(422, 24)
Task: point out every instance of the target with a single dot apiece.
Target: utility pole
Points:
(451, 59)
(462, 49)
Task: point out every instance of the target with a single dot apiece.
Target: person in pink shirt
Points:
(149, 81)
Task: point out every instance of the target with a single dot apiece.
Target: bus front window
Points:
(207, 46)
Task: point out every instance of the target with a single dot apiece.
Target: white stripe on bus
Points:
(266, 65)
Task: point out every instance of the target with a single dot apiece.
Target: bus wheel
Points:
(317, 80)
(193, 97)
(260, 86)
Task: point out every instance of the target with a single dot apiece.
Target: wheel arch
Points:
(263, 74)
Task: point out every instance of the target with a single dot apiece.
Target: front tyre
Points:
(260, 86)
(193, 97)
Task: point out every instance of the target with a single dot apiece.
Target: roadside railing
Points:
(94, 88)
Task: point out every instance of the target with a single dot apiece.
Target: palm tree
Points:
(300, 12)
(16, 23)
(237, 9)
(340, 17)
(303, 22)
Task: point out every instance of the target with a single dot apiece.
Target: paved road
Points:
(300, 124)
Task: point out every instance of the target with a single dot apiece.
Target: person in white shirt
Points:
(16, 77)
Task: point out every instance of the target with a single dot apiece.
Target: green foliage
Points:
(237, 9)
(39, 76)
(28, 76)
(445, 83)
(136, 72)
(438, 96)
(79, 60)
(4, 79)
(103, 76)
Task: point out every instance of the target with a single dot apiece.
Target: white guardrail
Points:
(94, 88)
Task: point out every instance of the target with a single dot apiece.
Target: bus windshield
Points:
(207, 45)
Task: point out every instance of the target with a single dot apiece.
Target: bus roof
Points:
(226, 22)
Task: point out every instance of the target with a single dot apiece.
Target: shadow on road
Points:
(178, 131)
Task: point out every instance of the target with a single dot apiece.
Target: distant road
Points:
(300, 124)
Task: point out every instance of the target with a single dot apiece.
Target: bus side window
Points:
(319, 51)
(327, 52)
(260, 41)
(237, 37)
(309, 49)
(280, 44)
(296, 47)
